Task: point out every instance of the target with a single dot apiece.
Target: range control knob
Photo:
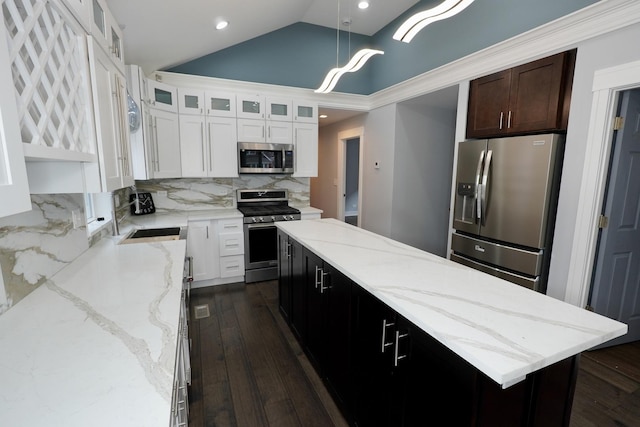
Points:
(273, 218)
(261, 219)
(254, 219)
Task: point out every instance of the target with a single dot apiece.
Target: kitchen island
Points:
(520, 339)
(96, 344)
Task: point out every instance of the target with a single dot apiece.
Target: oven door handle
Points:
(260, 225)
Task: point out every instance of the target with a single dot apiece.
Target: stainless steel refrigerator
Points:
(505, 205)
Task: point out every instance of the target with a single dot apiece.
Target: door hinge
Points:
(603, 221)
(618, 122)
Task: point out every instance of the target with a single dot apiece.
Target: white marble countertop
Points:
(504, 330)
(96, 344)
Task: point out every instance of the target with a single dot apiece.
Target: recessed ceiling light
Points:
(323, 116)
(221, 25)
(363, 4)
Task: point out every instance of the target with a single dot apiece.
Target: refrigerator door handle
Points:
(478, 175)
(483, 189)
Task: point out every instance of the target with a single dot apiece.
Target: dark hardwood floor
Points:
(248, 370)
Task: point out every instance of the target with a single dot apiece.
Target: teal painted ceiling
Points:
(301, 54)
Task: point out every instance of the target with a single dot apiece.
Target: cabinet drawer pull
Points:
(318, 278)
(501, 118)
(397, 356)
(322, 286)
(385, 325)
(509, 121)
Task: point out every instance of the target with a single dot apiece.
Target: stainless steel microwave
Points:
(263, 157)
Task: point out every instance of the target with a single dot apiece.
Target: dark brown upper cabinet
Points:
(530, 98)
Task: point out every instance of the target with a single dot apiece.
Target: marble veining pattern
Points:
(37, 244)
(96, 344)
(504, 330)
(188, 194)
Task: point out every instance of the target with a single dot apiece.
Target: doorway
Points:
(350, 152)
(615, 287)
(609, 85)
(352, 173)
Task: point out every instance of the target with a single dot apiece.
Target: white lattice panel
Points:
(48, 63)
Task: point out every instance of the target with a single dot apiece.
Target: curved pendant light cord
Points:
(338, 36)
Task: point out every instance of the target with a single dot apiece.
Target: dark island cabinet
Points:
(531, 98)
(285, 278)
(383, 370)
(328, 331)
(291, 289)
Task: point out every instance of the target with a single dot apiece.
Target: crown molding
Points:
(556, 36)
(548, 39)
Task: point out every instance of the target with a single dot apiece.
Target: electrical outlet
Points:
(376, 164)
(116, 201)
(77, 218)
(162, 193)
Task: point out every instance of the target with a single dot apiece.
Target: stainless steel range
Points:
(261, 209)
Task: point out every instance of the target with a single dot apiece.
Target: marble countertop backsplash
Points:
(504, 330)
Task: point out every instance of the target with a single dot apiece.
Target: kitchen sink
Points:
(146, 235)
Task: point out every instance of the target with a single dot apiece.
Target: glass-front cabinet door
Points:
(162, 96)
(191, 101)
(220, 104)
(116, 41)
(305, 112)
(279, 109)
(250, 106)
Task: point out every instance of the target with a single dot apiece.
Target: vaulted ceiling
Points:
(162, 33)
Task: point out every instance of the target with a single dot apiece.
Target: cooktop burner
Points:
(259, 206)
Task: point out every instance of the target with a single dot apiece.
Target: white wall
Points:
(377, 191)
(424, 146)
(612, 49)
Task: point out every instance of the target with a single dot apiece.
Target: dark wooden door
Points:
(315, 334)
(284, 275)
(372, 340)
(536, 95)
(298, 319)
(488, 105)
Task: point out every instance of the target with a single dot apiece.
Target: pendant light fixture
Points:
(357, 61)
(417, 22)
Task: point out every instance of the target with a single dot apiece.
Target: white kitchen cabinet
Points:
(14, 188)
(250, 130)
(182, 370)
(202, 247)
(163, 156)
(109, 94)
(220, 104)
(210, 102)
(279, 109)
(223, 143)
(276, 132)
(208, 146)
(263, 119)
(250, 107)
(162, 96)
(82, 10)
(217, 248)
(305, 112)
(107, 32)
(306, 150)
(191, 101)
